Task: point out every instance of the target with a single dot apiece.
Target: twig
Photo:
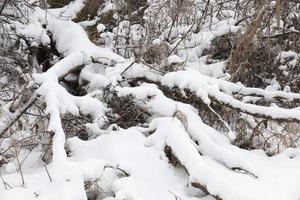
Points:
(19, 165)
(48, 173)
(3, 6)
(151, 67)
(199, 22)
(175, 195)
(5, 183)
(136, 60)
(204, 189)
(223, 121)
(19, 113)
(126, 173)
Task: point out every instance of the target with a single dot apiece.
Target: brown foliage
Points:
(156, 53)
(126, 112)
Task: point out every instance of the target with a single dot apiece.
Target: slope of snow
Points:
(152, 177)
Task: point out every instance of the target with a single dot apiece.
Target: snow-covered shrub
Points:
(80, 121)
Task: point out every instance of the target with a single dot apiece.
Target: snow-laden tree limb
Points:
(209, 89)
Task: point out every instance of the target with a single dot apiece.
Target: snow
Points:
(148, 168)
(156, 41)
(212, 178)
(288, 57)
(34, 32)
(96, 78)
(100, 28)
(208, 142)
(130, 144)
(205, 86)
(143, 158)
(17, 193)
(58, 100)
(65, 33)
(108, 6)
(67, 12)
(215, 70)
(131, 164)
(173, 59)
(88, 23)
